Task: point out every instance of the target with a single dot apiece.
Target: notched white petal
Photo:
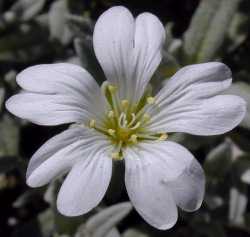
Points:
(47, 109)
(56, 94)
(191, 102)
(143, 179)
(59, 154)
(128, 49)
(86, 184)
(159, 176)
(188, 189)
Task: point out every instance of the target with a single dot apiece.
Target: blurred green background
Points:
(46, 31)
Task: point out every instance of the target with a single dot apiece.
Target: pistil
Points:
(125, 123)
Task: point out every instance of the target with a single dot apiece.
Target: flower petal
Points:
(128, 50)
(86, 183)
(188, 188)
(56, 94)
(60, 153)
(152, 171)
(189, 102)
(148, 44)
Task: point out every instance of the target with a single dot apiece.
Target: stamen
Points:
(92, 123)
(112, 89)
(124, 104)
(132, 120)
(111, 132)
(113, 100)
(146, 118)
(138, 124)
(122, 120)
(133, 139)
(116, 156)
(163, 137)
(150, 100)
(146, 136)
(111, 114)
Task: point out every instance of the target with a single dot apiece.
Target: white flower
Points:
(122, 120)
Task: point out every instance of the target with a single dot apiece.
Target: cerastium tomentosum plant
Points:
(122, 120)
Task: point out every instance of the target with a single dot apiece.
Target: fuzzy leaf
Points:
(246, 177)
(219, 160)
(102, 223)
(57, 22)
(242, 89)
(237, 206)
(85, 52)
(134, 233)
(9, 137)
(26, 9)
(208, 28)
(2, 94)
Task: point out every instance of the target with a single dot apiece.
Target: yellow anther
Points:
(92, 123)
(133, 138)
(137, 125)
(150, 100)
(146, 117)
(124, 104)
(116, 156)
(163, 137)
(111, 114)
(111, 132)
(112, 89)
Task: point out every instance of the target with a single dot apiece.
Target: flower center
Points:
(125, 124)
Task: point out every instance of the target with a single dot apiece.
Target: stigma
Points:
(125, 123)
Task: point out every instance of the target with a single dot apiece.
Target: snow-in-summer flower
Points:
(123, 120)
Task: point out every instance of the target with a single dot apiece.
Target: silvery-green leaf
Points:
(134, 233)
(103, 222)
(46, 222)
(219, 160)
(237, 30)
(217, 31)
(62, 224)
(237, 206)
(169, 35)
(84, 50)
(57, 21)
(80, 26)
(10, 79)
(208, 28)
(246, 177)
(172, 45)
(9, 139)
(74, 60)
(49, 195)
(113, 233)
(242, 89)
(2, 94)
(213, 201)
(198, 27)
(167, 68)
(24, 198)
(57, 235)
(28, 8)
